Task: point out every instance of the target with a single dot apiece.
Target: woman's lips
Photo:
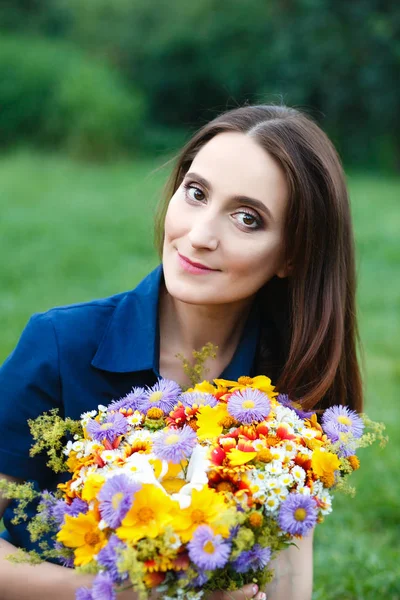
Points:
(194, 267)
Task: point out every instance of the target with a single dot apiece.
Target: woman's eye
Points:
(194, 193)
(248, 220)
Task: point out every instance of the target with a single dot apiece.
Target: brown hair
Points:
(314, 308)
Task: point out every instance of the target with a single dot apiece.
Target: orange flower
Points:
(256, 519)
(154, 413)
(354, 462)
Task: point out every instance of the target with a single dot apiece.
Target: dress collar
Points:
(131, 340)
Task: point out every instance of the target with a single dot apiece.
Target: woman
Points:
(257, 255)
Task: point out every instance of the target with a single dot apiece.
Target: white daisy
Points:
(299, 474)
(172, 540)
(68, 448)
(288, 416)
(272, 483)
(278, 453)
(274, 467)
(304, 490)
(135, 419)
(280, 492)
(326, 499)
(86, 416)
(258, 445)
(286, 479)
(271, 504)
(290, 448)
(110, 456)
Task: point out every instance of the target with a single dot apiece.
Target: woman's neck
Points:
(187, 327)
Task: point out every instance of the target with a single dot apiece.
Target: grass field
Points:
(72, 232)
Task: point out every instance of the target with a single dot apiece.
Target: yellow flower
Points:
(205, 387)
(92, 486)
(173, 480)
(324, 464)
(151, 512)
(260, 382)
(208, 420)
(238, 458)
(265, 455)
(83, 534)
(207, 508)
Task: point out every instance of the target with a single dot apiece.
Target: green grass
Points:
(71, 232)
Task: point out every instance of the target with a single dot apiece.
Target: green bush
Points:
(53, 94)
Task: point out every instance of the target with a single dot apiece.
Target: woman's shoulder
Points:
(93, 313)
(104, 324)
(80, 318)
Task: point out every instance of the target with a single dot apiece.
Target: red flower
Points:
(217, 456)
(284, 433)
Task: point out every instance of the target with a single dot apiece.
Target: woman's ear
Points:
(285, 270)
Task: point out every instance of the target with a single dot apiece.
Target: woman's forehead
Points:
(235, 164)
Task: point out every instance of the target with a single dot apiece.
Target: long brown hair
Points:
(313, 308)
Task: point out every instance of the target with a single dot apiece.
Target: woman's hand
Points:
(247, 592)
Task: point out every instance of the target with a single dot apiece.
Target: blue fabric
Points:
(75, 357)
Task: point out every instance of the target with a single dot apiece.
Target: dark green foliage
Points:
(191, 60)
(52, 94)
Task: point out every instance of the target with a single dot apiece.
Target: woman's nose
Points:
(203, 235)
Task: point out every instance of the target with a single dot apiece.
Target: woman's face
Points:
(224, 224)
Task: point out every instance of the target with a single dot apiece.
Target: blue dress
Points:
(76, 357)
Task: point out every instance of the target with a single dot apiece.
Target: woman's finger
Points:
(247, 592)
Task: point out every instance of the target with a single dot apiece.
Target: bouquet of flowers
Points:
(192, 491)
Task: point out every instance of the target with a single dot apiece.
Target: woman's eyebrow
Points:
(237, 198)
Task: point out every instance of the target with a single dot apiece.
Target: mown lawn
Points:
(71, 232)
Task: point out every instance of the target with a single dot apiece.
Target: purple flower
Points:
(131, 400)
(116, 497)
(74, 509)
(77, 507)
(255, 559)
(207, 550)
(249, 405)
(200, 580)
(61, 508)
(113, 426)
(340, 419)
(199, 398)
(103, 587)
(285, 401)
(162, 395)
(64, 560)
(83, 594)
(47, 503)
(298, 514)
(108, 557)
(174, 445)
(233, 532)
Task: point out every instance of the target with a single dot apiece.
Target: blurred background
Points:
(96, 97)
